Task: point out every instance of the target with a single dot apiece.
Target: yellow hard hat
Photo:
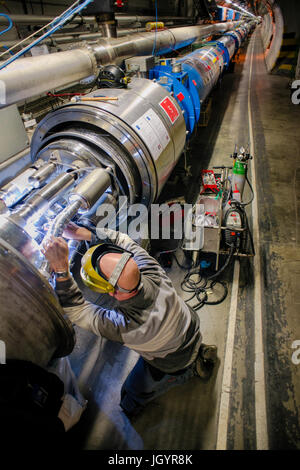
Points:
(90, 272)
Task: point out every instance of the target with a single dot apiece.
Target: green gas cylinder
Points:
(238, 177)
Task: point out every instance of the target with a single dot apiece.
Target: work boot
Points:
(207, 357)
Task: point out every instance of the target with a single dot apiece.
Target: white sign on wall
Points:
(2, 352)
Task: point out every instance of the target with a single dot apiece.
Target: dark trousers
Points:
(145, 382)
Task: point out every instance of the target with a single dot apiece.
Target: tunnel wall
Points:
(279, 17)
(267, 30)
(272, 34)
(291, 14)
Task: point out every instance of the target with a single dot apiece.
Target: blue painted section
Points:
(200, 70)
(224, 14)
(223, 50)
(237, 39)
(241, 34)
(226, 53)
(230, 14)
(195, 85)
(221, 14)
(183, 85)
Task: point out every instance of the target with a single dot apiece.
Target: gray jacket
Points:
(156, 323)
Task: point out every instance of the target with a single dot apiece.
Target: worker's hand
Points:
(74, 232)
(56, 251)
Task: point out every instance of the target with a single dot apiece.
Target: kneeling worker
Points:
(149, 317)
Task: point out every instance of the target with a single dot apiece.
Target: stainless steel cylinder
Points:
(17, 188)
(21, 185)
(62, 220)
(41, 199)
(91, 188)
(204, 61)
(35, 75)
(141, 135)
(92, 217)
(123, 20)
(229, 43)
(41, 175)
(108, 30)
(32, 323)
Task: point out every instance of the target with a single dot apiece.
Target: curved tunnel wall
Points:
(267, 30)
(273, 51)
(272, 33)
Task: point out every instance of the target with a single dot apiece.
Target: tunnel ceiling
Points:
(254, 6)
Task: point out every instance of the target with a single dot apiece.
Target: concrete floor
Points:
(187, 417)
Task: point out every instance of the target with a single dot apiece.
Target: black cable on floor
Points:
(244, 204)
(213, 276)
(191, 266)
(205, 285)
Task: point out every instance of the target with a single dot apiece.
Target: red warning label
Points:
(170, 109)
(180, 96)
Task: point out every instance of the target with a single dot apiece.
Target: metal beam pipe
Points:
(69, 38)
(29, 77)
(33, 76)
(62, 220)
(21, 185)
(91, 188)
(40, 20)
(41, 199)
(122, 19)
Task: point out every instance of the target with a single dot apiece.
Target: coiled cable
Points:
(205, 286)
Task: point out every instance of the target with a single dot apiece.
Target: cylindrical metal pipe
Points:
(17, 189)
(92, 217)
(229, 43)
(108, 30)
(122, 19)
(21, 185)
(117, 50)
(69, 38)
(143, 153)
(107, 24)
(60, 222)
(41, 199)
(33, 76)
(85, 195)
(91, 188)
(40, 20)
(41, 175)
(208, 61)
